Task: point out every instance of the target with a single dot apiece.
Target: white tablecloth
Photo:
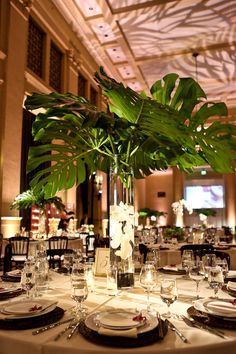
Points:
(23, 342)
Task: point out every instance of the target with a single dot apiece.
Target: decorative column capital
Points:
(74, 58)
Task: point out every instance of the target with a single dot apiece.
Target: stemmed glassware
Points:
(79, 288)
(215, 279)
(187, 260)
(168, 293)
(28, 277)
(148, 280)
(224, 266)
(209, 260)
(197, 274)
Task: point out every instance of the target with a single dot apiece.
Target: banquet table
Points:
(172, 255)
(22, 341)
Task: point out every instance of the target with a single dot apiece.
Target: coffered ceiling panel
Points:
(138, 42)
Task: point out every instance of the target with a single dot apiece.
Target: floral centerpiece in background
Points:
(203, 214)
(30, 198)
(178, 209)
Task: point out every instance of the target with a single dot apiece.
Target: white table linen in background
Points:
(23, 342)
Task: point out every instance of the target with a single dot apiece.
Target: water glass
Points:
(67, 262)
(28, 278)
(224, 266)
(215, 279)
(41, 275)
(187, 260)
(111, 274)
(79, 288)
(209, 260)
(148, 280)
(197, 274)
(89, 275)
(168, 293)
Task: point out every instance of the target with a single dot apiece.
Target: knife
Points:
(194, 323)
(173, 328)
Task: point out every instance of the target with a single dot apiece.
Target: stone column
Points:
(72, 66)
(15, 45)
(230, 203)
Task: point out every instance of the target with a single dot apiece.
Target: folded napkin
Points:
(231, 285)
(129, 333)
(222, 307)
(169, 267)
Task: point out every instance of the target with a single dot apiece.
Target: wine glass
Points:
(168, 293)
(209, 260)
(148, 280)
(224, 265)
(89, 274)
(197, 274)
(28, 278)
(79, 288)
(67, 262)
(215, 279)
(186, 260)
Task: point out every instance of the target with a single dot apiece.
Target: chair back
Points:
(19, 245)
(7, 263)
(58, 243)
(196, 248)
(57, 246)
(219, 254)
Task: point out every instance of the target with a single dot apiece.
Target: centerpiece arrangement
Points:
(139, 134)
(178, 209)
(36, 198)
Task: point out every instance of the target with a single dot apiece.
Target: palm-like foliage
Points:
(31, 198)
(147, 133)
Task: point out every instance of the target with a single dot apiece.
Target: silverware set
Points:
(52, 325)
(73, 326)
(193, 323)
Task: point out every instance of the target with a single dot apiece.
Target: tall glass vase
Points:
(121, 226)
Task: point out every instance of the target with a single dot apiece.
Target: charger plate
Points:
(10, 278)
(211, 320)
(32, 322)
(10, 293)
(144, 338)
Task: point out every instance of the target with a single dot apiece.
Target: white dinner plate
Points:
(217, 307)
(119, 319)
(28, 308)
(150, 323)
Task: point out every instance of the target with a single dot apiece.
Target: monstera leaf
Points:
(171, 128)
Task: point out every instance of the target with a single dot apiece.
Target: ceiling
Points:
(139, 42)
